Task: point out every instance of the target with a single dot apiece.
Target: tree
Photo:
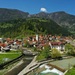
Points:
(40, 57)
(70, 50)
(44, 54)
(26, 44)
(46, 51)
(55, 53)
(35, 49)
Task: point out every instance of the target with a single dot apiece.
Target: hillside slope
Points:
(61, 18)
(11, 14)
(24, 27)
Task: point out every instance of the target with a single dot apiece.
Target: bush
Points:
(26, 44)
(44, 54)
(55, 54)
(70, 50)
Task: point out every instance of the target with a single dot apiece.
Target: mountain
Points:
(61, 18)
(14, 23)
(64, 19)
(30, 26)
(11, 14)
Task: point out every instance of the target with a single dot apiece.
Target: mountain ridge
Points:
(61, 18)
(11, 14)
(13, 18)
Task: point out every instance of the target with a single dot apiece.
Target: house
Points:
(4, 47)
(57, 45)
(1, 39)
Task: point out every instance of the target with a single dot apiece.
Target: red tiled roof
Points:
(11, 42)
(3, 45)
(56, 43)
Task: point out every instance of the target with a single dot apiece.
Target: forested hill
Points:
(62, 18)
(29, 26)
(16, 23)
(11, 14)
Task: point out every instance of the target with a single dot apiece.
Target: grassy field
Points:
(71, 72)
(7, 56)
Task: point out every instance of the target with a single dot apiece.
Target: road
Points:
(27, 69)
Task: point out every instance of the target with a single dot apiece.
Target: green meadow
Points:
(71, 72)
(7, 56)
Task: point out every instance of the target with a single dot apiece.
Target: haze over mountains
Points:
(62, 18)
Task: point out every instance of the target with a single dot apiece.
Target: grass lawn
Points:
(71, 72)
(7, 56)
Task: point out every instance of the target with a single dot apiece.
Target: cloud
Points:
(43, 10)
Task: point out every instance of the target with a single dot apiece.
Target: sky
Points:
(36, 6)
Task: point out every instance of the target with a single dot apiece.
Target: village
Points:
(57, 42)
(38, 41)
(39, 44)
(8, 44)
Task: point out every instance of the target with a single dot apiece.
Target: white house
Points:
(57, 45)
